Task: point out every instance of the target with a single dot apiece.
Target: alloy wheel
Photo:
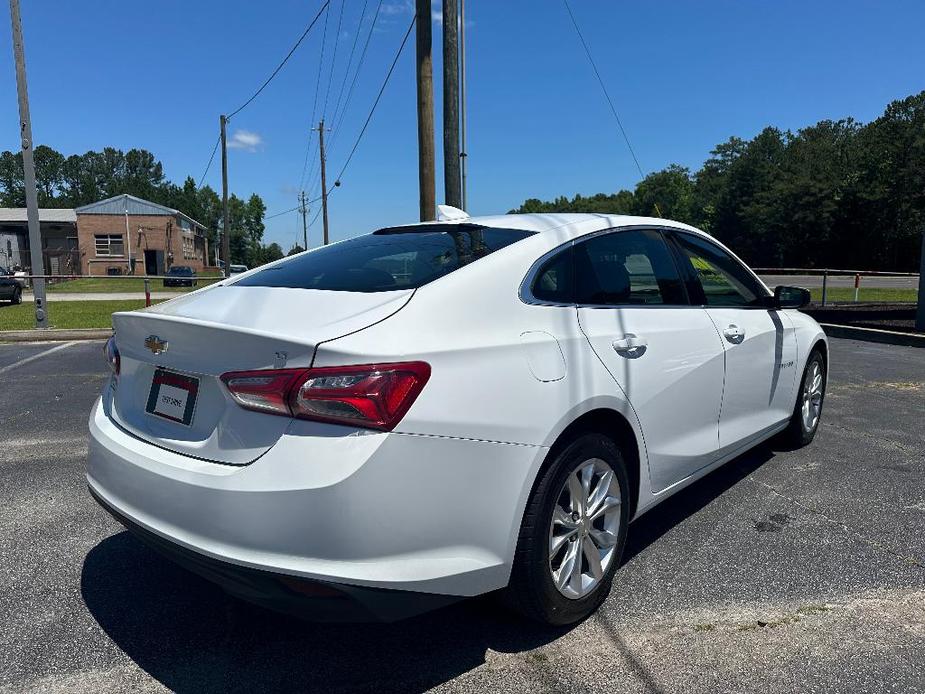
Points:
(584, 528)
(812, 396)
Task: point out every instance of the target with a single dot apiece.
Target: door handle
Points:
(734, 334)
(630, 345)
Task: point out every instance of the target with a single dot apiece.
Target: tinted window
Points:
(183, 270)
(554, 280)
(388, 259)
(626, 267)
(723, 280)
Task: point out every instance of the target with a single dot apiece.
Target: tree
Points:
(833, 194)
(295, 249)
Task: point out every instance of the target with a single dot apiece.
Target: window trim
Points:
(690, 275)
(525, 293)
(109, 237)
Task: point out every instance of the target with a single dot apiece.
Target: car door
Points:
(759, 341)
(664, 354)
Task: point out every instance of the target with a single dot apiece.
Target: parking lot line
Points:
(26, 360)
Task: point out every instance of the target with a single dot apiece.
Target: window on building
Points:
(109, 245)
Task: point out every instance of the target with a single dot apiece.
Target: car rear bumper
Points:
(318, 601)
(386, 511)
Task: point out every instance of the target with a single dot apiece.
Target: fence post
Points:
(825, 284)
(920, 311)
(147, 292)
(857, 286)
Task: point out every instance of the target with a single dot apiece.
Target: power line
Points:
(353, 48)
(603, 88)
(376, 102)
(211, 158)
(356, 74)
(308, 144)
(327, 93)
(284, 61)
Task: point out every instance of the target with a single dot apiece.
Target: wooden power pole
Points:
(304, 210)
(425, 83)
(451, 184)
(28, 162)
(324, 181)
(226, 232)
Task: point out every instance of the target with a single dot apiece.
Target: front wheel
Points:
(804, 423)
(573, 533)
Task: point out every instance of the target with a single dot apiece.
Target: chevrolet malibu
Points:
(396, 421)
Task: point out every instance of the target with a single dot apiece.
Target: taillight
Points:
(112, 355)
(374, 396)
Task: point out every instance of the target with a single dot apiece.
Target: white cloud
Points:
(400, 7)
(246, 140)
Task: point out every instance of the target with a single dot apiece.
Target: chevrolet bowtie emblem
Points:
(156, 344)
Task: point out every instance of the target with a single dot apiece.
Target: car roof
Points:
(564, 226)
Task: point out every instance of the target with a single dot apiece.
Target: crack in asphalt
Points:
(844, 526)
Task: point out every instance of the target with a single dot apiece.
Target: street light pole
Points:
(28, 163)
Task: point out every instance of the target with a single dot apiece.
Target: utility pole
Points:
(462, 104)
(451, 184)
(304, 210)
(226, 235)
(28, 162)
(324, 181)
(425, 84)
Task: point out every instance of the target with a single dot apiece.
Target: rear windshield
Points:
(180, 270)
(387, 260)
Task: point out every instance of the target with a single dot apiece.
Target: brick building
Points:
(123, 232)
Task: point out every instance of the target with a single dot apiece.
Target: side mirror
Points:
(791, 297)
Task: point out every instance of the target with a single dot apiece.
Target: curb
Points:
(53, 335)
(889, 337)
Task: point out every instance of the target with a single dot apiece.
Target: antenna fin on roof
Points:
(446, 213)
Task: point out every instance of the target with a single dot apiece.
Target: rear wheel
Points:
(808, 409)
(17, 296)
(573, 533)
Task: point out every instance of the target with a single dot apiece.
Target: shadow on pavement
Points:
(188, 635)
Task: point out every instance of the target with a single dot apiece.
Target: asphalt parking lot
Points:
(783, 571)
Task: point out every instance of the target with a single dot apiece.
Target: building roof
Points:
(129, 204)
(46, 214)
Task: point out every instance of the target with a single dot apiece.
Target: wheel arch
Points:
(615, 426)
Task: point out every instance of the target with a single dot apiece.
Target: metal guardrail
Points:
(145, 278)
(827, 272)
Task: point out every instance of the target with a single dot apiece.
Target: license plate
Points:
(173, 396)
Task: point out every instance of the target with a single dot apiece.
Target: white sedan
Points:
(433, 411)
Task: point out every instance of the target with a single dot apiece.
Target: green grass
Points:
(66, 314)
(834, 294)
(110, 285)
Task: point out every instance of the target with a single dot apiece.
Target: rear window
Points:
(387, 260)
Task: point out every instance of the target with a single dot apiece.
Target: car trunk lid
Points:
(196, 338)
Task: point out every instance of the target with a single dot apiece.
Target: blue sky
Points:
(684, 76)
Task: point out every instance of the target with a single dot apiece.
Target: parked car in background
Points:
(21, 276)
(441, 410)
(236, 270)
(180, 276)
(10, 288)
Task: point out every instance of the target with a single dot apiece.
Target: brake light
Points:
(374, 396)
(111, 352)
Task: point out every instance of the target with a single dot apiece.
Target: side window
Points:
(554, 280)
(626, 267)
(723, 279)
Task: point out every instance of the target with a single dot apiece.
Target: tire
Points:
(533, 587)
(17, 297)
(800, 432)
